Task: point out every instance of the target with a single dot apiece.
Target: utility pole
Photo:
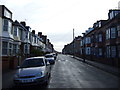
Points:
(73, 43)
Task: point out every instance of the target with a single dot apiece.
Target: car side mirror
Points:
(48, 63)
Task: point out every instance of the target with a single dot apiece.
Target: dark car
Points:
(33, 71)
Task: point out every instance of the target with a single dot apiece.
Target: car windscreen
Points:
(49, 56)
(32, 63)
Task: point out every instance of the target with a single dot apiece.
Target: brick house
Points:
(101, 43)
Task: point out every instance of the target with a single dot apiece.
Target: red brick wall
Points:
(9, 63)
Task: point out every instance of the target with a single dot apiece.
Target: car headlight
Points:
(41, 74)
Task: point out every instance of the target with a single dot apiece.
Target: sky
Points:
(57, 18)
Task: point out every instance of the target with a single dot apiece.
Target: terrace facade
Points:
(17, 40)
(101, 43)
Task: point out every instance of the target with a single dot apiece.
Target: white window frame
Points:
(14, 49)
(15, 31)
(26, 48)
(118, 30)
(100, 37)
(113, 51)
(7, 13)
(100, 52)
(4, 48)
(108, 51)
(88, 50)
(113, 32)
(5, 25)
(10, 48)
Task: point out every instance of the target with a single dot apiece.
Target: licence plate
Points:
(27, 81)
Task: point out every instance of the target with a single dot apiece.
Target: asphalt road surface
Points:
(71, 73)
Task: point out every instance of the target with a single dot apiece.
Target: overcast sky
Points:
(57, 18)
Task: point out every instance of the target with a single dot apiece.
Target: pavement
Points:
(7, 78)
(107, 68)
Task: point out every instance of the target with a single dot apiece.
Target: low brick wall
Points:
(9, 63)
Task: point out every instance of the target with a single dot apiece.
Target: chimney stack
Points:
(23, 23)
(40, 34)
(33, 31)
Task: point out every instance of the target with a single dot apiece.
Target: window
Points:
(7, 13)
(10, 49)
(14, 49)
(15, 31)
(18, 49)
(100, 38)
(5, 25)
(100, 51)
(113, 32)
(118, 51)
(108, 51)
(108, 34)
(118, 31)
(26, 48)
(4, 48)
(113, 51)
(88, 40)
(88, 52)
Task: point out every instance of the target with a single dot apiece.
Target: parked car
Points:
(33, 71)
(55, 56)
(50, 58)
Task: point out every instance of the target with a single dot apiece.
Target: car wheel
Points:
(47, 81)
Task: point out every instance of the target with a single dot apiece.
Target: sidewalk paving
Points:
(107, 68)
(7, 79)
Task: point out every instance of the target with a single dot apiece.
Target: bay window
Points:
(10, 48)
(5, 25)
(4, 48)
(14, 49)
(15, 31)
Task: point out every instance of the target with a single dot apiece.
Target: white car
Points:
(50, 58)
(33, 71)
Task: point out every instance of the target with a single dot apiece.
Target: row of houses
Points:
(99, 43)
(19, 41)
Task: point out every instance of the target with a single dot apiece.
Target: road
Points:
(71, 73)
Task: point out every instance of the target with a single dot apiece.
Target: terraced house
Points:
(101, 43)
(17, 40)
